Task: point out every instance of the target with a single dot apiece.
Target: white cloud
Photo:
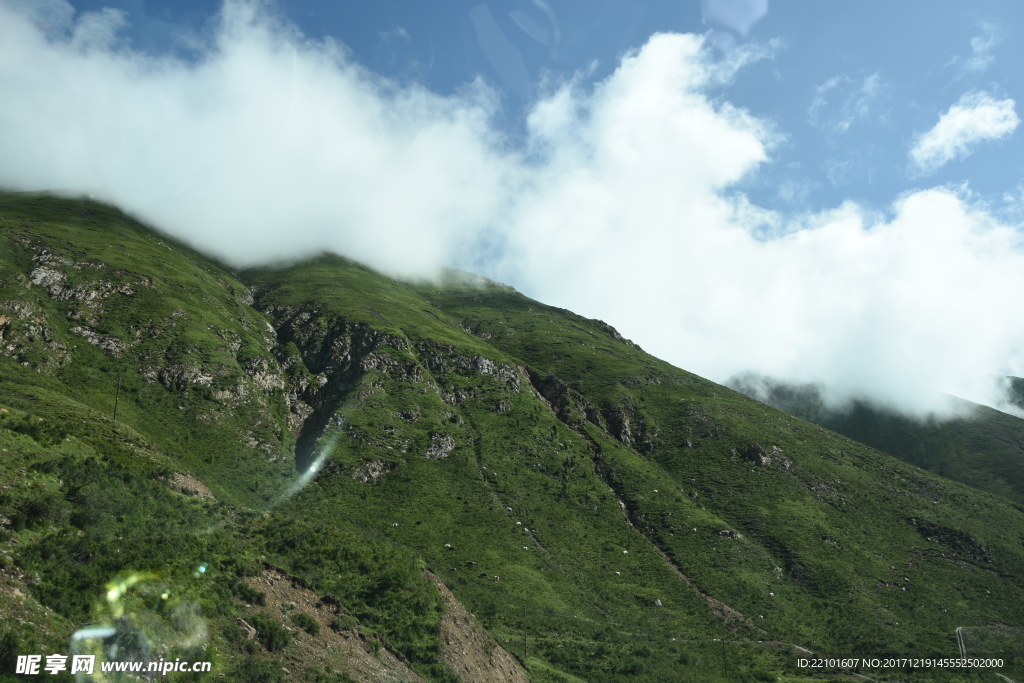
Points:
(975, 118)
(841, 101)
(268, 145)
(632, 223)
(618, 205)
(981, 49)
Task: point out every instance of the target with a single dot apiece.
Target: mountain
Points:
(320, 473)
(982, 447)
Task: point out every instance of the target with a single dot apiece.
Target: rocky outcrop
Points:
(614, 334)
(443, 359)
(25, 331)
(115, 346)
(333, 346)
(627, 425)
(441, 446)
(333, 355)
(568, 404)
(756, 454)
(56, 285)
(264, 373)
(189, 486)
(177, 376)
(960, 545)
(371, 471)
(633, 428)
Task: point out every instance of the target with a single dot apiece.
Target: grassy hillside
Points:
(984, 449)
(604, 515)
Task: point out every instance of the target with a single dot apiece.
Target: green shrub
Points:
(306, 623)
(46, 509)
(252, 670)
(248, 594)
(344, 622)
(41, 431)
(271, 634)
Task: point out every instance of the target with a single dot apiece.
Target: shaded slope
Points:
(985, 449)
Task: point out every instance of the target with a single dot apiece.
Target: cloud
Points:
(975, 118)
(618, 202)
(981, 49)
(51, 17)
(267, 145)
(632, 221)
(838, 114)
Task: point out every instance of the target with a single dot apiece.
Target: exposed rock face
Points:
(264, 374)
(443, 359)
(111, 344)
(614, 334)
(247, 629)
(26, 331)
(633, 428)
(332, 346)
(347, 651)
(441, 445)
(756, 454)
(189, 485)
(468, 651)
(179, 377)
(637, 432)
(371, 471)
(334, 353)
(568, 404)
(619, 425)
(47, 277)
(55, 283)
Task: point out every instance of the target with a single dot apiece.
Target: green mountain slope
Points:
(631, 520)
(985, 449)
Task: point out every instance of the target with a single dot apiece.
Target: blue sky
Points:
(818, 192)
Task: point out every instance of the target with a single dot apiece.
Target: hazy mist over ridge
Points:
(619, 202)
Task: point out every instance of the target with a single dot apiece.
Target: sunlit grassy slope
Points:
(629, 516)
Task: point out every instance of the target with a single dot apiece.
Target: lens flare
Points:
(141, 618)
